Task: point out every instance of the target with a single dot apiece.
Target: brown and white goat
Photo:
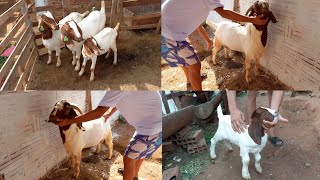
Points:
(76, 137)
(250, 39)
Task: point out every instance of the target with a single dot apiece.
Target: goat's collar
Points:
(275, 114)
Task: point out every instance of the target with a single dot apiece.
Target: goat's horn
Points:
(73, 106)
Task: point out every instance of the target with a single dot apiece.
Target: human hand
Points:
(63, 122)
(237, 121)
(259, 21)
(267, 124)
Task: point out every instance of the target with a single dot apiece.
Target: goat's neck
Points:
(264, 35)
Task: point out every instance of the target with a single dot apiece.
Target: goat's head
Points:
(46, 25)
(63, 110)
(91, 46)
(261, 8)
(256, 130)
(71, 31)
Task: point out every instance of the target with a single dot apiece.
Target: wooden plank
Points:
(145, 26)
(119, 11)
(8, 13)
(10, 61)
(113, 13)
(145, 16)
(11, 34)
(130, 3)
(23, 80)
(158, 27)
(13, 74)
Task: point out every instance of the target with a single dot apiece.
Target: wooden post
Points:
(66, 7)
(119, 12)
(113, 13)
(88, 101)
(158, 27)
(165, 102)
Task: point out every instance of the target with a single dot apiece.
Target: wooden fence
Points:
(15, 72)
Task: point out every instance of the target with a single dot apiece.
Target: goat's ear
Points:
(255, 131)
(250, 11)
(272, 18)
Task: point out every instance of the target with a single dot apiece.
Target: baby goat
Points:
(252, 140)
(50, 32)
(73, 34)
(76, 137)
(97, 45)
(250, 39)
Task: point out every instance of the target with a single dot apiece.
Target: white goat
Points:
(76, 137)
(73, 34)
(99, 44)
(50, 32)
(252, 140)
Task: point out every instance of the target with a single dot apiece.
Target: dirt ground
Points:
(297, 159)
(137, 68)
(96, 166)
(229, 74)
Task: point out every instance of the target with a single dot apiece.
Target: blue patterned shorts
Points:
(142, 146)
(178, 53)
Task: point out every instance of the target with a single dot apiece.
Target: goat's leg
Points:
(74, 59)
(108, 54)
(256, 72)
(49, 56)
(248, 69)
(217, 47)
(93, 65)
(72, 162)
(226, 52)
(228, 145)
(77, 167)
(114, 49)
(78, 54)
(214, 141)
(109, 143)
(245, 163)
(98, 148)
(257, 165)
(58, 52)
(85, 59)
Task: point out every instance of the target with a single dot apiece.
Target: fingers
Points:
(282, 119)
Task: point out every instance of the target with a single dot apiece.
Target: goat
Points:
(50, 32)
(252, 140)
(97, 45)
(76, 137)
(73, 34)
(250, 39)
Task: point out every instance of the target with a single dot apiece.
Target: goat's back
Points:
(92, 24)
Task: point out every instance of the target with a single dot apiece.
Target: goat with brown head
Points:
(262, 8)
(70, 32)
(91, 46)
(255, 129)
(46, 25)
(64, 110)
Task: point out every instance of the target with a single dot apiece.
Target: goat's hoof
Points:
(115, 63)
(258, 169)
(58, 65)
(80, 73)
(48, 62)
(75, 175)
(247, 176)
(248, 80)
(73, 63)
(213, 156)
(77, 68)
(91, 79)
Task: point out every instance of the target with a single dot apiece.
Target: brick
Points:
(202, 146)
(180, 134)
(195, 136)
(167, 146)
(171, 173)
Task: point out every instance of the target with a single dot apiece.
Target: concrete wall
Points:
(293, 49)
(29, 146)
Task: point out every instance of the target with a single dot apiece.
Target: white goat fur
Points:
(243, 140)
(55, 43)
(92, 133)
(90, 26)
(106, 39)
(246, 39)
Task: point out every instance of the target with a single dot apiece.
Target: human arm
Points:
(237, 117)
(238, 17)
(94, 114)
(205, 36)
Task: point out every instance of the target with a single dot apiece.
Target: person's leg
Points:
(186, 72)
(129, 168)
(251, 103)
(195, 76)
(271, 130)
(138, 164)
(276, 100)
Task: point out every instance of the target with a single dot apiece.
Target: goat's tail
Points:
(219, 112)
(117, 26)
(85, 14)
(211, 24)
(103, 7)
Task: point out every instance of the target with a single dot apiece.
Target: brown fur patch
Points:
(255, 129)
(262, 8)
(67, 31)
(90, 48)
(46, 26)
